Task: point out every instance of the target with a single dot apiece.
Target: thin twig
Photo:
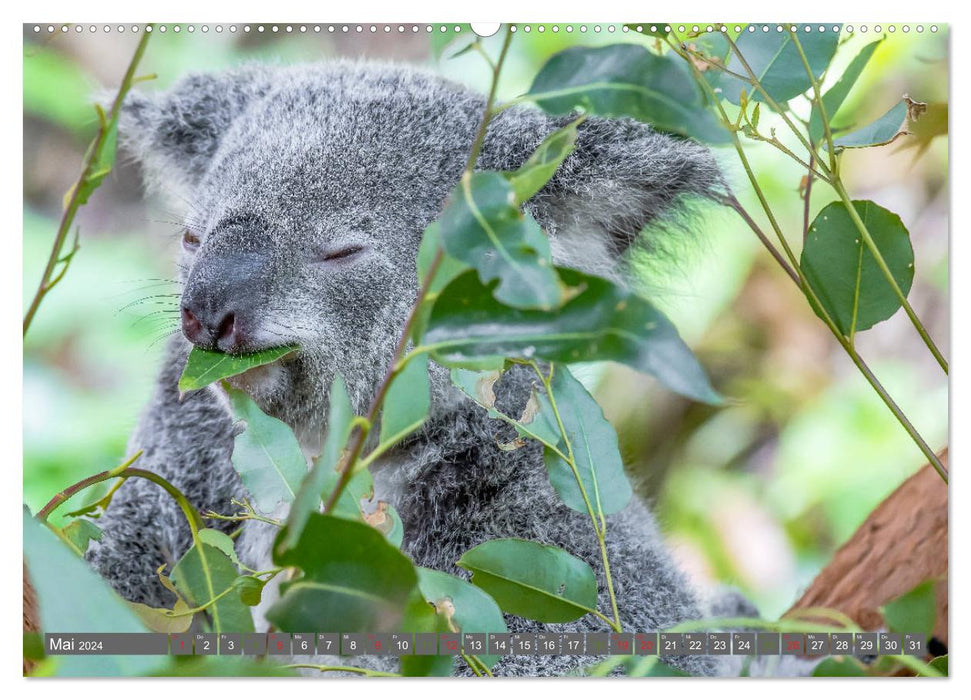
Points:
(48, 280)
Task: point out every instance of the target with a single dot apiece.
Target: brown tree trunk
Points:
(31, 616)
(900, 545)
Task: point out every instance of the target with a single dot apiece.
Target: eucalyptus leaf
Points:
(839, 667)
(602, 321)
(250, 589)
(203, 573)
(776, 63)
(266, 455)
(915, 612)
(406, 404)
(482, 226)
(88, 604)
(420, 617)
(468, 608)
(322, 477)
(80, 532)
(626, 80)
(834, 97)
(884, 130)
(534, 423)
(842, 271)
(162, 620)
(595, 450)
(206, 366)
(533, 175)
(353, 579)
(532, 580)
(940, 663)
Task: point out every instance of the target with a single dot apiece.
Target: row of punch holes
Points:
(456, 29)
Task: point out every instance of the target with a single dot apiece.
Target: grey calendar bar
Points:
(101, 644)
(809, 644)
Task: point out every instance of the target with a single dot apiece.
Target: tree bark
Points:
(900, 545)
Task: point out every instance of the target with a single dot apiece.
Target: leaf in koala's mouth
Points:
(205, 366)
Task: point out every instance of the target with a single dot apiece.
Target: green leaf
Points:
(266, 455)
(543, 163)
(775, 61)
(385, 519)
(322, 477)
(221, 541)
(205, 366)
(353, 579)
(836, 95)
(844, 274)
(483, 227)
(205, 572)
(407, 402)
(250, 589)
(80, 532)
(839, 667)
(627, 80)
(71, 597)
(422, 617)
(448, 269)
(439, 41)
(534, 423)
(468, 608)
(603, 321)
(595, 450)
(915, 612)
(223, 667)
(161, 620)
(940, 663)
(532, 580)
(884, 130)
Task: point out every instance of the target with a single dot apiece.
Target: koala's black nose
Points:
(213, 329)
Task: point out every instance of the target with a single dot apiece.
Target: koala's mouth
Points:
(260, 381)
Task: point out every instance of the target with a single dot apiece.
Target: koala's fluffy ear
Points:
(176, 133)
(622, 177)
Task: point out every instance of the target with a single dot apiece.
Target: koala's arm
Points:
(189, 443)
(455, 489)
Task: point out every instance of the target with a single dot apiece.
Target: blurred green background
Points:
(759, 493)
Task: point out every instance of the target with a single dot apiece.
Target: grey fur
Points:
(284, 164)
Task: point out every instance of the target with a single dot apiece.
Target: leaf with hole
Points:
(886, 129)
(80, 532)
(602, 321)
(842, 271)
(595, 450)
(534, 422)
(626, 80)
(353, 579)
(775, 61)
(532, 580)
(482, 226)
(468, 608)
(266, 455)
(205, 366)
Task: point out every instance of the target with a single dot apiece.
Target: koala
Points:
(307, 190)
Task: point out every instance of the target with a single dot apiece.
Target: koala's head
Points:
(308, 188)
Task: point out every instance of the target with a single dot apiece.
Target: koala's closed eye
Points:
(341, 254)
